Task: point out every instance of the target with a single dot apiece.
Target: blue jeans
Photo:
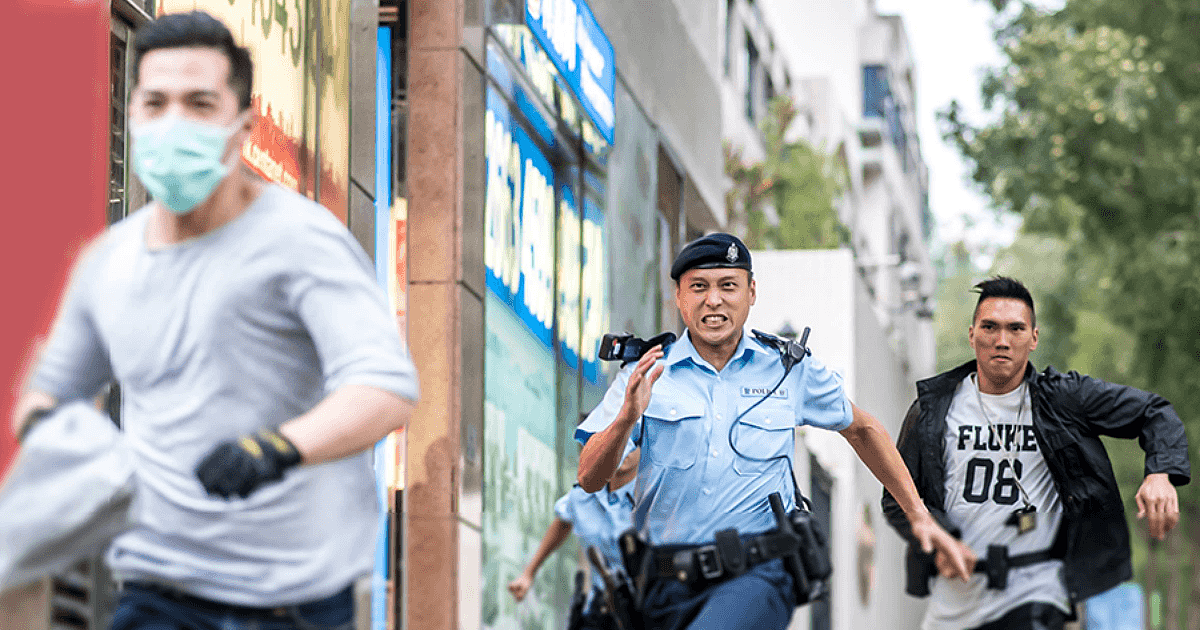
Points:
(760, 599)
(145, 607)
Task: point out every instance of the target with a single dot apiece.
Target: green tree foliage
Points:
(955, 305)
(1096, 141)
(799, 182)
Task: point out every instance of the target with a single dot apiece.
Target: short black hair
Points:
(196, 29)
(1004, 287)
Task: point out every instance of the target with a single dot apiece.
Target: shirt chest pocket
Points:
(673, 432)
(762, 434)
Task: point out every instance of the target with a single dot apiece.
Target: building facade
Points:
(523, 173)
(558, 153)
(850, 73)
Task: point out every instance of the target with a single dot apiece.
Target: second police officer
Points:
(715, 445)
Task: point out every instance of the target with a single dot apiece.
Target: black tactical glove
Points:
(241, 466)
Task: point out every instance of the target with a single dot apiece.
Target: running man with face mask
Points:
(257, 358)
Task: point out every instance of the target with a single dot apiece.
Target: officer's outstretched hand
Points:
(945, 564)
(641, 382)
(519, 587)
(954, 559)
(241, 466)
(1158, 501)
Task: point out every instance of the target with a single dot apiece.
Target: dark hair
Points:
(196, 29)
(1004, 287)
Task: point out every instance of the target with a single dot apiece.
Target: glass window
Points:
(751, 78)
(125, 192)
(875, 91)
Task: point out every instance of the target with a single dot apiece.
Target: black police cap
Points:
(713, 250)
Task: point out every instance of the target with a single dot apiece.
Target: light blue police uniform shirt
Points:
(598, 519)
(691, 483)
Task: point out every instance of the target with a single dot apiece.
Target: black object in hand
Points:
(626, 348)
(241, 466)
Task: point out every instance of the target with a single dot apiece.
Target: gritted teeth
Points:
(713, 319)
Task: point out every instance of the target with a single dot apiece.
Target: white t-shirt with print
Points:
(982, 461)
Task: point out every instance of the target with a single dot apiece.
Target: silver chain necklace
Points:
(999, 435)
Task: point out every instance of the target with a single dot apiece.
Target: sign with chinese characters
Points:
(594, 288)
(519, 224)
(520, 422)
(577, 46)
(301, 90)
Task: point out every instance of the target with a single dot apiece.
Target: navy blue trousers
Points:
(760, 599)
(142, 608)
(595, 620)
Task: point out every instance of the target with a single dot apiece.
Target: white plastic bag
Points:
(67, 495)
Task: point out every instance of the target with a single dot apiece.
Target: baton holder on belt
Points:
(792, 562)
(575, 614)
(637, 558)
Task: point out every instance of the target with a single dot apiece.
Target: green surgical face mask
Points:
(179, 160)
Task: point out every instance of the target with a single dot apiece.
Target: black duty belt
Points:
(729, 556)
(997, 563)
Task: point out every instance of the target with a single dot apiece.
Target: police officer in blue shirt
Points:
(597, 518)
(714, 449)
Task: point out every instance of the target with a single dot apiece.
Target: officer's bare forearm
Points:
(602, 455)
(348, 421)
(874, 447)
(551, 541)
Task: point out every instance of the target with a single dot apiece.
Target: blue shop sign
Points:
(582, 53)
(519, 220)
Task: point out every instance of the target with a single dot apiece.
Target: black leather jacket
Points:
(1070, 413)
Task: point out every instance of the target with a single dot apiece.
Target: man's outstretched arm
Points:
(1128, 412)
(874, 447)
(551, 541)
(348, 421)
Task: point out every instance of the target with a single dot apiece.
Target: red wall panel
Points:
(54, 169)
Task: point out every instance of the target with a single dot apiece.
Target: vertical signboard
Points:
(519, 367)
(333, 101)
(385, 451)
(594, 291)
(301, 90)
(582, 53)
(568, 314)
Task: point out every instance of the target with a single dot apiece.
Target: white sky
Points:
(952, 43)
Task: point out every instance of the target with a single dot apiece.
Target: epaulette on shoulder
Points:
(790, 351)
